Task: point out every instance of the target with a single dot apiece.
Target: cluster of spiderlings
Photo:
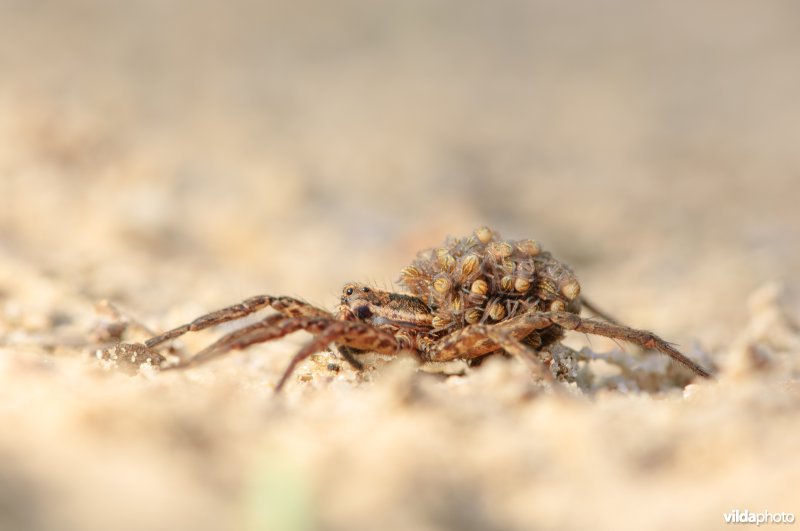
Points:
(483, 278)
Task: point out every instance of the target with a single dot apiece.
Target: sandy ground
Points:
(176, 157)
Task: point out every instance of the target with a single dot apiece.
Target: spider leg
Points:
(353, 335)
(478, 340)
(404, 339)
(348, 353)
(522, 325)
(286, 306)
(271, 327)
(592, 307)
(643, 338)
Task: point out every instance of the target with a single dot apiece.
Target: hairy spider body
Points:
(482, 279)
(472, 297)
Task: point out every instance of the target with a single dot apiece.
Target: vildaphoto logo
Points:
(764, 517)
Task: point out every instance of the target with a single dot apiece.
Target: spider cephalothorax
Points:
(472, 297)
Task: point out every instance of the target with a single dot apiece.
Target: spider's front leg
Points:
(352, 335)
(286, 306)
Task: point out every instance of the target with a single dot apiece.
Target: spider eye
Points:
(348, 291)
(365, 289)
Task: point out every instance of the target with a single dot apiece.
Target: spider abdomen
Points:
(485, 279)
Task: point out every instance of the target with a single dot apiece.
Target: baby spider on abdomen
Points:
(474, 296)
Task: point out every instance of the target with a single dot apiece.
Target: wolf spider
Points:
(473, 297)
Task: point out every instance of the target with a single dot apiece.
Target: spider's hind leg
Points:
(597, 311)
(643, 338)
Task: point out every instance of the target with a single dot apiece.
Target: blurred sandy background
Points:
(173, 157)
